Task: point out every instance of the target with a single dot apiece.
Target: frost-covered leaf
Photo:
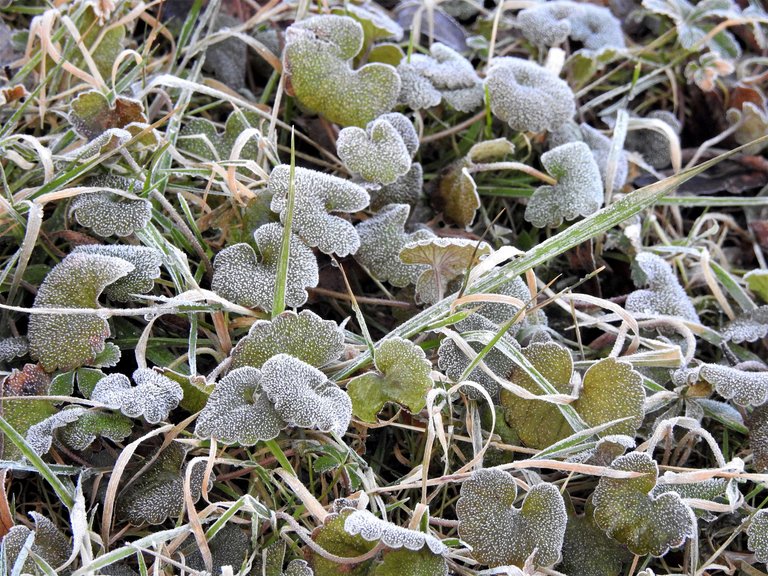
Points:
(378, 153)
(408, 189)
(381, 239)
(40, 435)
(77, 428)
(317, 60)
(664, 294)
(757, 422)
(713, 490)
(611, 390)
(153, 397)
(753, 123)
(200, 137)
(447, 258)
(377, 25)
(627, 512)
(159, 493)
(242, 277)
(372, 529)
(501, 534)
(11, 348)
(109, 214)
(757, 282)
(579, 188)
(707, 70)
(67, 341)
(457, 190)
(22, 414)
(606, 450)
(146, 262)
(600, 146)
(443, 75)
(744, 388)
(229, 547)
(551, 23)
(526, 96)
(316, 195)
(758, 535)
(305, 336)
(274, 556)
(238, 411)
(332, 538)
(110, 40)
(539, 424)
(404, 378)
(748, 326)
(50, 544)
(652, 145)
(303, 396)
(90, 114)
(227, 60)
(402, 562)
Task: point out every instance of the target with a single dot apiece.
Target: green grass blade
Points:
(278, 305)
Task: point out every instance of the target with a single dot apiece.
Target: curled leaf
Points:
(146, 262)
(664, 294)
(748, 326)
(108, 214)
(91, 114)
(744, 388)
(153, 397)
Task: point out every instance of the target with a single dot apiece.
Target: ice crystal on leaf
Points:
(372, 528)
(67, 341)
(744, 388)
(242, 277)
(11, 348)
(77, 428)
(501, 534)
(600, 146)
(50, 544)
(748, 327)
(527, 96)
(305, 336)
(404, 378)
(107, 213)
(378, 153)
(229, 547)
(664, 294)
(381, 239)
(200, 138)
(238, 411)
(146, 262)
(628, 512)
(316, 195)
(579, 188)
(153, 397)
(317, 60)
(758, 535)
(408, 189)
(303, 396)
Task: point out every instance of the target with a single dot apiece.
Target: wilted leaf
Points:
(153, 397)
(107, 213)
(404, 378)
(378, 153)
(627, 511)
(240, 276)
(305, 336)
(316, 195)
(50, 544)
(501, 534)
(67, 341)
(146, 262)
(91, 114)
(664, 294)
(457, 193)
(381, 239)
(317, 56)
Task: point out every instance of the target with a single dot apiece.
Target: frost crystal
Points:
(372, 528)
(146, 262)
(378, 153)
(153, 397)
(11, 348)
(551, 23)
(600, 146)
(579, 188)
(317, 194)
(527, 96)
(758, 535)
(664, 294)
(303, 396)
(381, 239)
(50, 544)
(242, 278)
(748, 327)
(77, 428)
(744, 388)
(109, 214)
(40, 435)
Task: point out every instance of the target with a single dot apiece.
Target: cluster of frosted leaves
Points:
(579, 188)
(527, 96)
(14, 347)
(109, 214)
(664, 294)
(242, 277)
(501, 534)
(403, 377)
(317, 59)
(67, 341)
(748, 326)
(153, 397)
(758, 535)
(229, 547)
(378, 154)
(200, 137)
(381, 239)
(652, 145)
(744, 388)
(50, 544)
(158, 494)
(599, 145)
(316, 195)
(628, 512)
(443, 75)
(371, 528)
(305, 336)
(408, 189)
(146, 262)
(91, 114)
(77, 427)
(447, 258)
(452, 360)
(551, 23)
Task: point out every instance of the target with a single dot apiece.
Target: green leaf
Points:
(501, 534)
(628, 512)
(305, 336)
(87, 378)
(404, 378)
(111, 41)
(377, 25)
(757, 282)
(404, 562)
(31, 380)
(378, 153)
(332, 538)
